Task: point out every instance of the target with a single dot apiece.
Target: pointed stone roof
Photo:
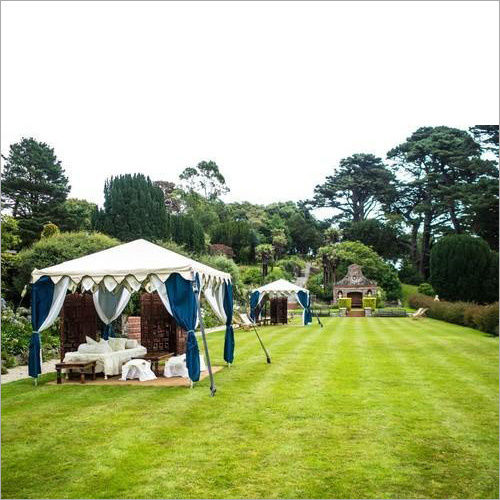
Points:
(355, 277)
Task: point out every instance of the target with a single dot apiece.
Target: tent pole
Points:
(213, 389)
(320, 324)
(317, 317)
(262, 344)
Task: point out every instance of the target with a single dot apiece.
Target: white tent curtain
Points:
(110, 304)
(60, 290)
(160, 287)
(215, 297)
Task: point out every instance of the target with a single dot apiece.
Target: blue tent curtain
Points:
(305, 301)
(107, 331)
(254, 302)
(185, 310)
(228, 309)
(41, 299)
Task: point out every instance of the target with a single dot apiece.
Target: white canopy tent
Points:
(112, 275)
(282, 288)
(133, 264)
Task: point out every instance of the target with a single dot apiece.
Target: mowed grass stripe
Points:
(339, 413)
(441, 435)
(445, 355)
(196, 428)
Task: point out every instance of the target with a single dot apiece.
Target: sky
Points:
(276, 93)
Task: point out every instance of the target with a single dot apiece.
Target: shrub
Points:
(483, 318)
(426, 289)
(345, 302)
(369, 302)
(50, 230)
(210, 319)
(463, 267)
(276, 274)
(381, 297)
(292, 265)
(57, 249)
(16, 335)
(390, 312)
(374, 267)
(251, 275)
(315, 286)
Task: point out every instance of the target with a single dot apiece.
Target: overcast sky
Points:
(275, 93)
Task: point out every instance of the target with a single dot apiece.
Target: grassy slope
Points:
(407, 291)
(394, 408)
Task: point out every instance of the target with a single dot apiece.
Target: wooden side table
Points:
(155, 358)
(81, 366)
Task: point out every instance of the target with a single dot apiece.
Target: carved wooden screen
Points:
(279, 310)
(78, 319)
(159, 331)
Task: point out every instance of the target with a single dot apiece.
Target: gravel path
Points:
(19, 372)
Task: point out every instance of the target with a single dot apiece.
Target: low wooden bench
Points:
(155, 358)
(81, 366)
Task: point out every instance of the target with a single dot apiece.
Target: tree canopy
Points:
(463, 267)
(34, 187)
(133, 208)
(358, 187)
(205, 179)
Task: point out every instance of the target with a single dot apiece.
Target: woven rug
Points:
(161, 381)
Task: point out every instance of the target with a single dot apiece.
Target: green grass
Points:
(364, 408)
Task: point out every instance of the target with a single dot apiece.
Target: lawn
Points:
(365, 407)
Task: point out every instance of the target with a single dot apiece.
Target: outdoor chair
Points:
(419, 313)
(244, 322)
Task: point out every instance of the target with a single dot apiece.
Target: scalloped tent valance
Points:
(280, 288)
(132, 264)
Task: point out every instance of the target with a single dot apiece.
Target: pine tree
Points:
(34, 187)
(133, 208)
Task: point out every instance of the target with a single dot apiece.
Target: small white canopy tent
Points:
(113, 274)
(282, 288)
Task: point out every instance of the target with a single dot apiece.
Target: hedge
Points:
(345, 302)
(369, 302)
(484, 318)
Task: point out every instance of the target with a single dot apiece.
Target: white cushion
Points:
(97, 348)
(90, 341)
(117, 344)
(131, 343)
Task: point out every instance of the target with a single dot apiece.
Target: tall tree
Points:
(385, 238)
(133, 208)
(483, 211)
(329, 261)
(279, 242)
(264, 253)
(442, 166)
(487, 137)
(357, 188)
(170, 195)
(78, 215)
(238, 235)
(185, 230)
(206, 179)
(34, 187)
